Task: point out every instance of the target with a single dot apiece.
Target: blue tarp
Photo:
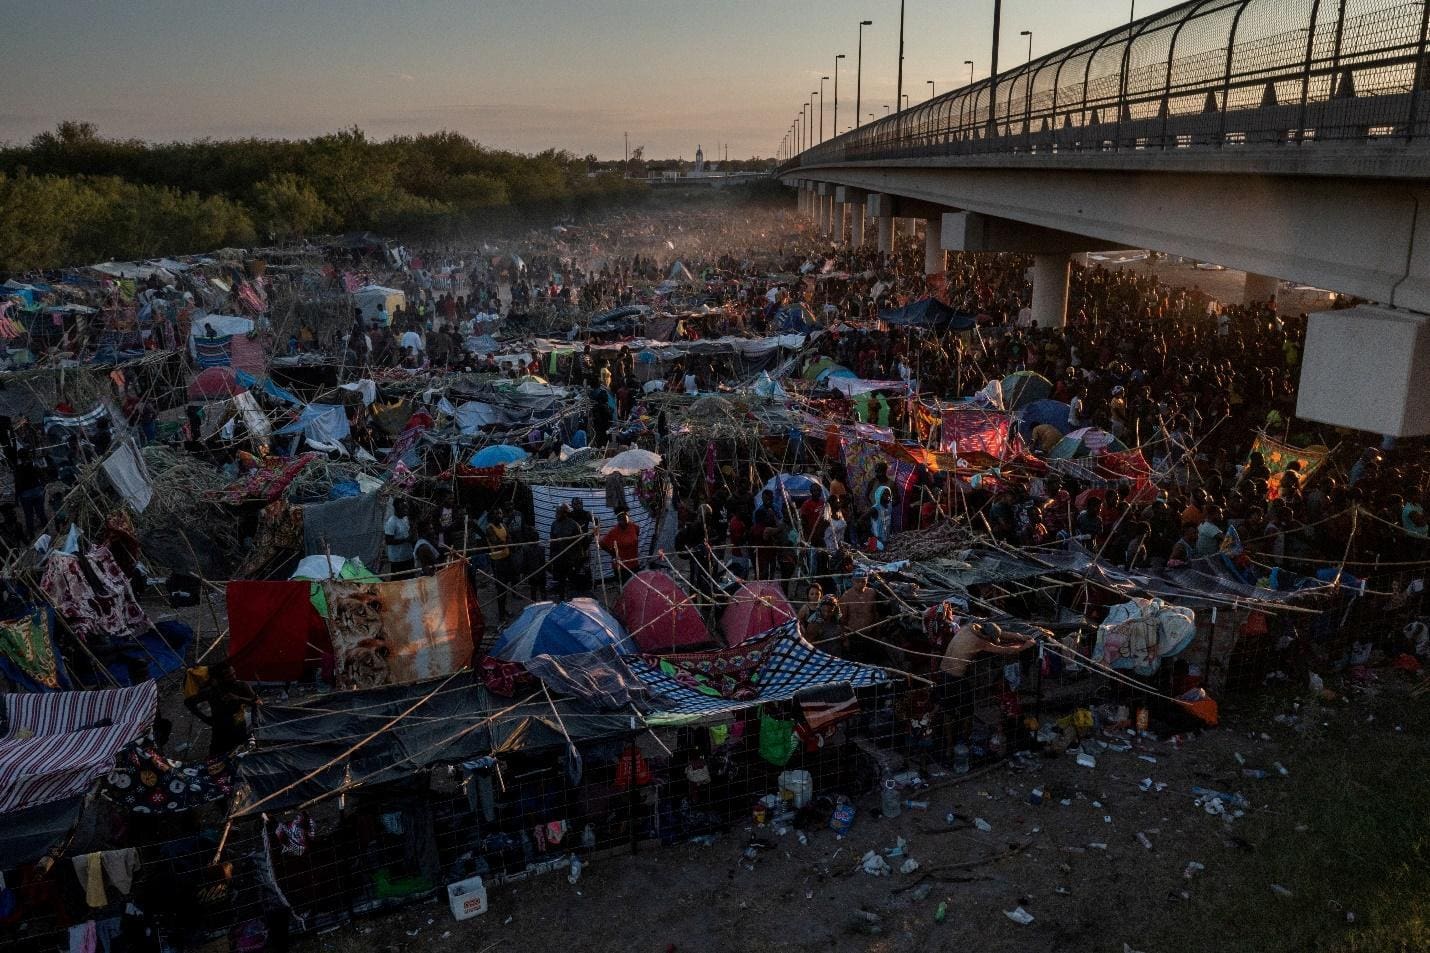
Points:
(497, 455)
(1051, 412)
(929, 313)
(561, 628)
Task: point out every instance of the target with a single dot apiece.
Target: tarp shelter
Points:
(1139, 633)
(680, 273)
(756, 607)
(1022, 388)
(560, 628)
(659, 615)
(368, 297)
(57, 744)
(773, 666)
(928, 313)
(325, 424)
(215, 383)
(447, 721)
(1054, 413)
(275, 631)
(1087, 442)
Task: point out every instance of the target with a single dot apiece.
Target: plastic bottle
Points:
(941, 913)
(960, 758)
(575, 873)
(890, 799)
(1256, 773)
(917, 805)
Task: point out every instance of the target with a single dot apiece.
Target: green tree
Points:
(287, 206)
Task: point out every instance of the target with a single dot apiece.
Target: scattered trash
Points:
(575, 873)
(922, 891)
(1279, 768)
(1035, 796)
(868, 916)
(1239, 759)
(1145, 784)
(941, 913)
(875, 865)
(982, 825)
(802, 838)
(843, 817)
(917, 805)
(1097, 845)
(1086, 760)
(1064, 891)
(1192, 869)
(950, 818)
(1128, 949)
(1019, 916)
(899, 849)
(1147, 757)
(1281, 891)
(1144, 840)
(908, 866)
(1255, 774)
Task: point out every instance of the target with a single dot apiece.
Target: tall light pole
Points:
(821, 107)
(899, 90)
(931, 88)
(1029, 35)
(812, 94)
(993, 66)
(905, 103)
(969, 64)
(1132, 14)
(859, 73)
(886, 109)
(837, 58)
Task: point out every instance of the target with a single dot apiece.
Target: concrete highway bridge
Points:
(1285, 138)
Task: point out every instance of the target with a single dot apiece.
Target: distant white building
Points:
(699, 169)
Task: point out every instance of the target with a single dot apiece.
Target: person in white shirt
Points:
(414, 341)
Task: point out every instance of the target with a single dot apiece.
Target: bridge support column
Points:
(856, 224)
(1050, 290)
(824, 198)
(884, 229)
(1259, 288)
(934, 261)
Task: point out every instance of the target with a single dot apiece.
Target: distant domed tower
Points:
(699, 160)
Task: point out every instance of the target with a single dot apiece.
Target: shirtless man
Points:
(955, 691)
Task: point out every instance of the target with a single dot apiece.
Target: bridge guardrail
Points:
(1204, 74)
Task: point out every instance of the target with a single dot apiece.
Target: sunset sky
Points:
(518, 74)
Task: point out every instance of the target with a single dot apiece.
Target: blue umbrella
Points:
(795, 484)
(497, 455)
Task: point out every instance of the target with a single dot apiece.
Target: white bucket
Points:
(467, 898)
(800, 784)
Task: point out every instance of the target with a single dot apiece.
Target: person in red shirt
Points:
(622, 541)
(812, 515)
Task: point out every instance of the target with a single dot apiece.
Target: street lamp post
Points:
(1029, 35)
(859, 72)
(904, 104)
(932, 89)
(837, 58)
(993, 66)
(899, 89)
(969, 64)
(812, 94)
(821, 107)
(886, 109)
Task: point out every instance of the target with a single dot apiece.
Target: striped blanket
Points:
(57, 744)
(545, 499)
(214, 351)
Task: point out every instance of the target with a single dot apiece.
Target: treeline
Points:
(71, 196)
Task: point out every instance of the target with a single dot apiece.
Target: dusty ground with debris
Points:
(1075, 862)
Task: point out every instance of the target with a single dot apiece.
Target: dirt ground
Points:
(1074, 862)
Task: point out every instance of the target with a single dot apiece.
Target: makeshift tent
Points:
(756, 607)
(560, 628)
(1022, 388)
(928, 313)
(309, 750)
(368, 297)
(659, 615)
(1087, 442)
(680, 273)
(57, 744)
(325, 424)
(215, 383)
(972, 430)
(1054, 413)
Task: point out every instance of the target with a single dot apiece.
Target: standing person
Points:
(397, 534)
(861, 607)
(226, 700)
(499, 539)
(622, 541)
(564, 552)
(30, 492)
(427, 552)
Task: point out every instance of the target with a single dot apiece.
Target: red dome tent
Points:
(659, 615)
(757, 607)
